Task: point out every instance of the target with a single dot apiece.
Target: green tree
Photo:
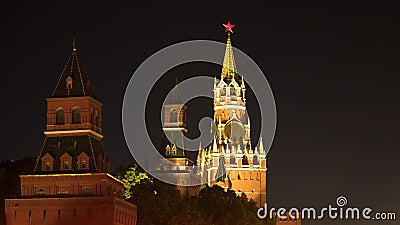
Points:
(132, 177)
(161, 203)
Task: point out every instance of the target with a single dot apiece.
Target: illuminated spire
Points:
(261, 148)
(215, 148)
(74, 45)
(203, 158)
(229, 66)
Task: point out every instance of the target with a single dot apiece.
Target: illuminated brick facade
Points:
(70, 183)
(231, 161)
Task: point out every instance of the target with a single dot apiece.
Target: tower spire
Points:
(74, 45)
(175, 96)
(229, 66)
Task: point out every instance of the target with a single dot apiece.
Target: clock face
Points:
(235, 131)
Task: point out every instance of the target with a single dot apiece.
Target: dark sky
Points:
(334, 72)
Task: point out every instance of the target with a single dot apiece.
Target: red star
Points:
(229, 27)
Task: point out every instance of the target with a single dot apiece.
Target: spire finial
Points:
(74, 45)
(229, 65)
(229, 27)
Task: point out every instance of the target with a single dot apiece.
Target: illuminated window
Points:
(66, 162)
(83, 165)
(47, 166)
(83, 161)
(76, 115)
(60, 117)
(68, 83)
(66, 165)
(174, 150)
(47, 162)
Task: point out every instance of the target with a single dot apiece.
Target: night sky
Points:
(334, 72)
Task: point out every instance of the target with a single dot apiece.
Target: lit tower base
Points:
(70, 183)
(244, 169)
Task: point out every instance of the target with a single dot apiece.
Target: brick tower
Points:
(173, 147)
(70, 183)
(230, 161)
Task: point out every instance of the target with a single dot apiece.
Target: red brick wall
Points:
(77, 210)
(100, 184)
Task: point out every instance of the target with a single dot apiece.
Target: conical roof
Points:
(73, 81)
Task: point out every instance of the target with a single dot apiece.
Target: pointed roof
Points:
(261, 148)
(175, 97)
(73, 81)
(71, 146)
(229, 67)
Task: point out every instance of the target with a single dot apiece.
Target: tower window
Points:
(83, 161)
(174, 150)
(255, 160)
(83, 165)
(66, 165)
(173, 116)
(47, 166)
(60, 117)
(76, 115)
(232, 160)
(68, 83)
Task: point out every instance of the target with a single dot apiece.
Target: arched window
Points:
(232, 160)
(66, 165)
(76, 115)
(47, 166)
(255, 160)
(60, 118)
(173, 116)
(245, 160)
(83, 164)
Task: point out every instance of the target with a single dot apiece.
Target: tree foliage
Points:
(161, 203)
(132, 177)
